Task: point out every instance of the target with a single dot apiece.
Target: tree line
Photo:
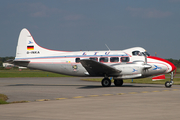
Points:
(174, 61)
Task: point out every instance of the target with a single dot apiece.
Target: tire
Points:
(167, 84)
(106, 82)
(118, 82)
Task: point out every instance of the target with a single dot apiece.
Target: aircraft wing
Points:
(95, 68)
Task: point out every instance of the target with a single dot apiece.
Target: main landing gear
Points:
(118, 82)
(168, 84)
(106, 82)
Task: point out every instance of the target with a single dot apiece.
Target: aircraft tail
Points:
(27, 47)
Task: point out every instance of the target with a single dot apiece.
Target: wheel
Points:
(118, 82)
(106, 82)
(167, 84)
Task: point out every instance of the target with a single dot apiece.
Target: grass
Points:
(3, 102)
(20, 102)
(3, 99)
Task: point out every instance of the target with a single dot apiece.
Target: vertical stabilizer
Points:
(22, 43)
(27, 47)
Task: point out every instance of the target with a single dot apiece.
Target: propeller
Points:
(146, 66)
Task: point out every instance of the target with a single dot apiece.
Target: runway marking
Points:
(79, 97)
(93, 95)
(133, 93)
(40, 100)
(61, 98)
(121, 93)
(175, 89)
(165, 90)
(107, 94)
(145, 92)
(156, 91)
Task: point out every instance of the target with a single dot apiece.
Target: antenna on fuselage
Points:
(107, 47)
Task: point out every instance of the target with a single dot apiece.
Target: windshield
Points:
(146, 54)
(136, 53)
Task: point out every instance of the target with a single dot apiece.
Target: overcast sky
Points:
(74, 25)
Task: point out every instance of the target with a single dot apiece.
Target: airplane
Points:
(130, 63)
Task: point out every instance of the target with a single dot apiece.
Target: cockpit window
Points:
(124, 59)
(136, 53)
(146, 53)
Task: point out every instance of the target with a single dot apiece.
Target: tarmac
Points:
(71, 98)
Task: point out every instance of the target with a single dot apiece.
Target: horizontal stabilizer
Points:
(23, 63)
(10, 61)
(95, 68)
(160, 77)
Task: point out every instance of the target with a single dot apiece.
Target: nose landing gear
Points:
(168, 84)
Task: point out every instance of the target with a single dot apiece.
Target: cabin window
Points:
(114, 59)
(136, 53)
(77, 60)
(124, 59)
(103, 59)
(93, 58)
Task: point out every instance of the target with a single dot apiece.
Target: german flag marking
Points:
(30, 47)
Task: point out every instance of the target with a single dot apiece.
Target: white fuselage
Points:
(67, 63)
(131, 63)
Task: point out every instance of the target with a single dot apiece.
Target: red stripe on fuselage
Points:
(163, 60)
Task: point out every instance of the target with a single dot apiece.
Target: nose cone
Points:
(171, 66)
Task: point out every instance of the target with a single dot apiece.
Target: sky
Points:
(74, 25)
